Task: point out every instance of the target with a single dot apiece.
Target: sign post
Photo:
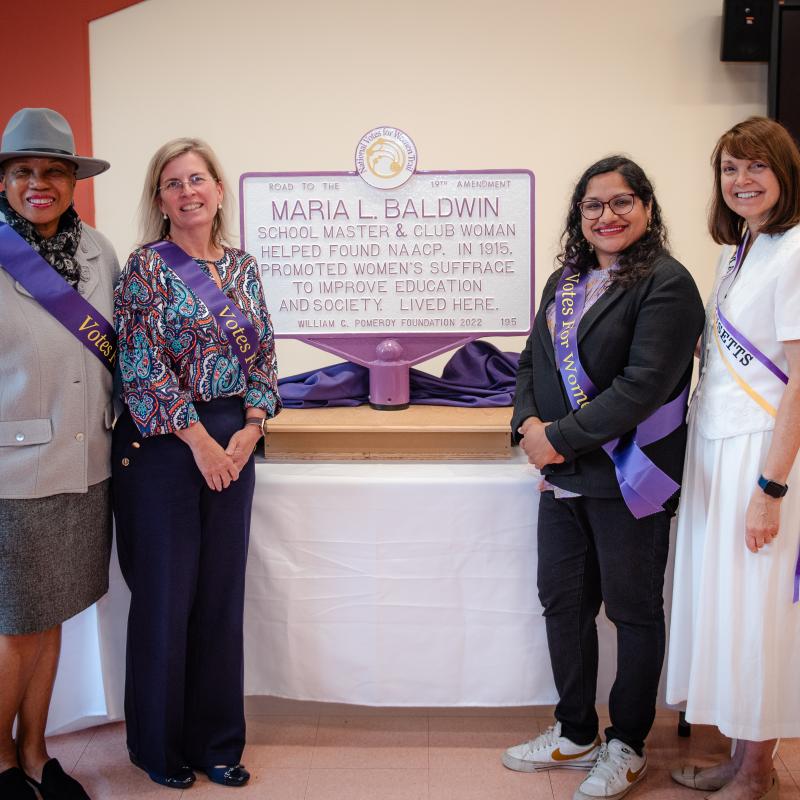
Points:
(388, 277)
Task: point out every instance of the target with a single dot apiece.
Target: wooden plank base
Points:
(416, 433)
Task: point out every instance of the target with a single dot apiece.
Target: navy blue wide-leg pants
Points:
(182, 549)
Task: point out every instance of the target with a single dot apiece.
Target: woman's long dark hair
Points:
(635, 262)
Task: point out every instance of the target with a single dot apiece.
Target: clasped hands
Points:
(220, 467)
(536, 445)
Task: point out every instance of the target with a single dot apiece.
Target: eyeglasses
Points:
(621, 205)
(173, 186)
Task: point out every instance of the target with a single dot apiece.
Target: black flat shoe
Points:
(182, 779)
(235, 776)
(57, 785)
(13, 785)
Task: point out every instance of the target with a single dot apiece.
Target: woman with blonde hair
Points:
(199, 380)
(735, 631)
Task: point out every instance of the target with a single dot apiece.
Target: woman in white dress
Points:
(734, 652)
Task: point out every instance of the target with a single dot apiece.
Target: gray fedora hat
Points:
(44, 133)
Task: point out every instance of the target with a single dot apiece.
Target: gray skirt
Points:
(54, 554)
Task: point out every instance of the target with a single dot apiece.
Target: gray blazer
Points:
(55, 396)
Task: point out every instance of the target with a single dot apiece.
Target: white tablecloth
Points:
(399, 584)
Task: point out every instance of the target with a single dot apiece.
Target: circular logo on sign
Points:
(386, 157)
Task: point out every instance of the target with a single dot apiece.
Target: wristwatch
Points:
(772, 488)
(260, 421)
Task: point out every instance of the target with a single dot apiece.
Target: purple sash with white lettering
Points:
(57, 297)
(644, 486)
(730, 334)
(234, 325)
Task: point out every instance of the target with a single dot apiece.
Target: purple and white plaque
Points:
(388, 277)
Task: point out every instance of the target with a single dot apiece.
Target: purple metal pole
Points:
(389, 361)
(389, 377)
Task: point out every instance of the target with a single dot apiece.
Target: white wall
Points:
(538, 84)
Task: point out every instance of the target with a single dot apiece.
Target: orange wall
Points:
(46, 50)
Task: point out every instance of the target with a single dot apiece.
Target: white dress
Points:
(734, 645)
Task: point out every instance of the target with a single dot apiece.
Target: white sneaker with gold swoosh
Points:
(551, 750)
(617, 770)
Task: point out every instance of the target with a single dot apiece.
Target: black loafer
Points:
(182, 779)
(13, 785)
(235, 776)
(57, 785)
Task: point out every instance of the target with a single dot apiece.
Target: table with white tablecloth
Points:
(397, 584)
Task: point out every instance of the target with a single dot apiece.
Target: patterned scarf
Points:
(59, 250)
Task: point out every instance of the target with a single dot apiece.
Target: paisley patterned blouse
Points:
(172, 351)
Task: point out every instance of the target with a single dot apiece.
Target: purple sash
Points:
(725, 284)
(234, 325)
(57, 297)
(765, 360)
(644, 486)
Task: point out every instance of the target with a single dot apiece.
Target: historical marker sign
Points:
(443, 253)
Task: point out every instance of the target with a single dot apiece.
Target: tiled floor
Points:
(314, 751)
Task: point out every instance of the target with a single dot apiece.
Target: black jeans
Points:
(593, 550)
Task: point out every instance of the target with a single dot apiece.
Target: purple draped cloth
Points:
(477, 375)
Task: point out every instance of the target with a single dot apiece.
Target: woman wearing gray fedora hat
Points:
(58, 352)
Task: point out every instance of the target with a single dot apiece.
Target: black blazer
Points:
(636, 345)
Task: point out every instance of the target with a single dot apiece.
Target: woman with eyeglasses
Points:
(57, 356)
(600, 403)
(734, 653)
(199, 380)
